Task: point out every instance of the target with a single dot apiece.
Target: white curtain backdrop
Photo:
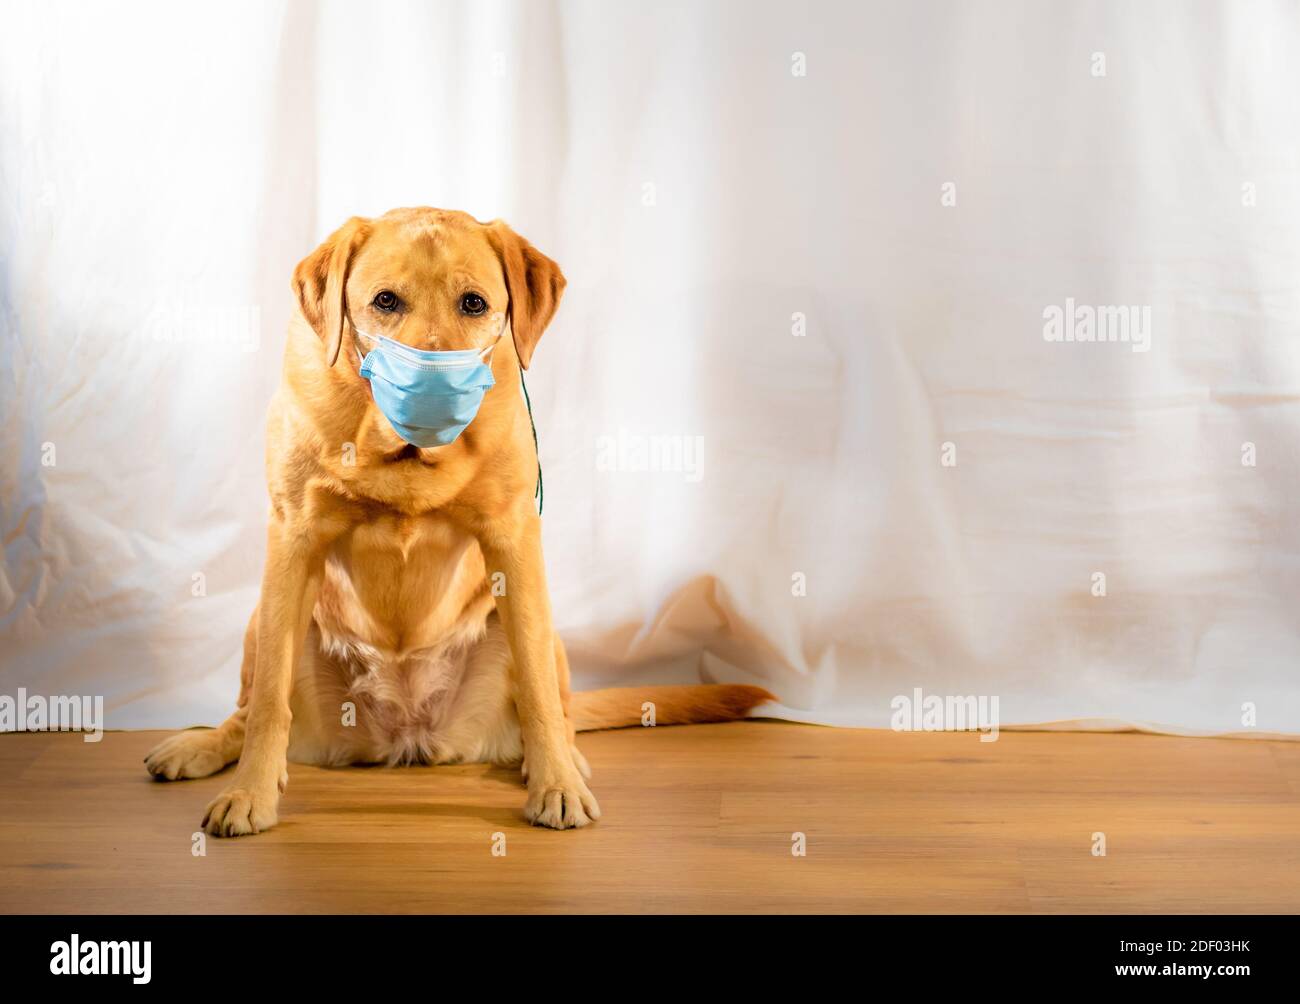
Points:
(815, 241)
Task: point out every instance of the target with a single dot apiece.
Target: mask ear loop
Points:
(539, 494)
(483, 352)
(361, 335)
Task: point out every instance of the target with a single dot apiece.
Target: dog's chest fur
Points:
(403, 601)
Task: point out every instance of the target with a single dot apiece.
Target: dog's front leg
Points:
(289, 586)
(557, 794)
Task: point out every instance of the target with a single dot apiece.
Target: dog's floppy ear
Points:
(320, 280)
(535, 284)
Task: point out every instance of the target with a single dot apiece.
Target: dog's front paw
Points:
(560, 799)
(238, 811)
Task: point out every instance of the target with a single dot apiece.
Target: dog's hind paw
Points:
(195, 753)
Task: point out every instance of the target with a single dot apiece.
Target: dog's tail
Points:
(625, 706)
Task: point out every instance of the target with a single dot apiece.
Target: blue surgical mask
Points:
(427, 397)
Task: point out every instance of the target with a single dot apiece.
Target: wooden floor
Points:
(697, 819)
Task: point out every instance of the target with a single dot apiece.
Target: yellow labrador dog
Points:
(404, 616)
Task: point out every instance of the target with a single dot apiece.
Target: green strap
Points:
(538, 495)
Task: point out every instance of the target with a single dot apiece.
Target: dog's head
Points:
(431, 278)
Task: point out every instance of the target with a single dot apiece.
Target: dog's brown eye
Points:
(386, 301)
(472, 303)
